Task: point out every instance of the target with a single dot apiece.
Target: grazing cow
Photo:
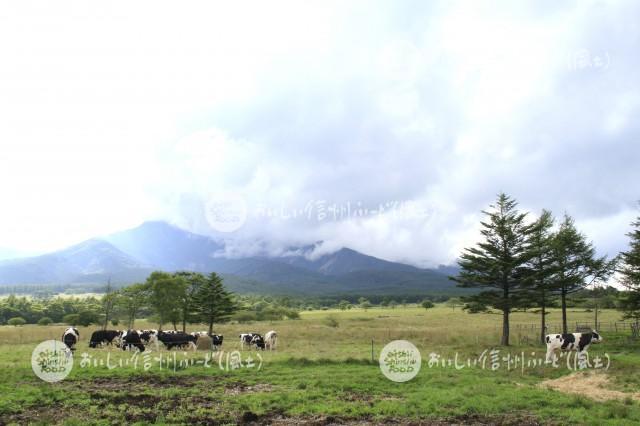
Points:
(258, 342)
(247, 339)
(216, 340)
(178, 340)
(103, 337)
(131, 339)
(70, 337)
(578, 342)
(270, 340)
(149, 337)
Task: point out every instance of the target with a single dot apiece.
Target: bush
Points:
(16, 321)
(115, 322)
(331, 321)
(86, 318)
(427, 304)
(45, 321)
(71, 319)
(292, 314)
(246, 316)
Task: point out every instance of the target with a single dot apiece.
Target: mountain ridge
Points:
(130, 255)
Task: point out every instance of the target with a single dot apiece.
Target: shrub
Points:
(71, 319)
(427, 304)
(331, 321)
(86, 318)
(115, 322)
(245, 316)
(16, 321)
(45, 321)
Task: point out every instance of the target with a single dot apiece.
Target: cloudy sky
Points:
(383, 126)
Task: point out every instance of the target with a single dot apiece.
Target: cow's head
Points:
(596, 337)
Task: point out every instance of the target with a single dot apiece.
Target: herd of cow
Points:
(139, 339)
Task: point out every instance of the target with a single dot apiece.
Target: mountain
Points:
(90, 261)
(344, 261)
(130, 255)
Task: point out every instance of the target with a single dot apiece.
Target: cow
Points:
(258, 342)
(131, 339)
(70, 337)
(216, 340)
(103, 337)
(270, 340)
(247, 339)
(578, 342)
(149, 337)
(178, 340)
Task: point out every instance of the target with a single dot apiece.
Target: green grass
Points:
(321, 371)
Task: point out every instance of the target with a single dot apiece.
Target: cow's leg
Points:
(193, 346)
(551, 354)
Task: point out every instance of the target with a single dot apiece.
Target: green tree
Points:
(165, 292)
(454, 302)
(131, 299)
(344, 305)
(630, 276)
(86, 318)
(108, 304)
(494, 264)
(191, 282)
(364, 303)
(44, 321)
(16, 321)
(576, 264)
(71, 319)
(427, 304)
(212, 302)
(540, 268)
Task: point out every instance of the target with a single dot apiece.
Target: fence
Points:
(610, 326)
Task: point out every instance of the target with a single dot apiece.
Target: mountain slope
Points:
(129, 256)
(77, 263)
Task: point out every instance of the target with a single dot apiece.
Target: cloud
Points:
(113, 118)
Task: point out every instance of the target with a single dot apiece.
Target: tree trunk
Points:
(210, 328)
(543, 325)
(505, 328)
(595, 326)
(184, 325)
(563, 296)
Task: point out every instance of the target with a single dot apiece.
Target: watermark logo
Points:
(400, 361)
(52, 361)
(226, 213)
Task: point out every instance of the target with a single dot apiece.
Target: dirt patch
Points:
(132, 383)
(249, 418)
(238, 388)
(592, 385)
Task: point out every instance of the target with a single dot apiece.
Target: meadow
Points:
(323, 372)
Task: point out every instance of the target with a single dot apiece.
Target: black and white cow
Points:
(578, 342)
(178, 340)
(216, 340)
(104, 337)
(252, 339)
(70, 337)
(131, 339)
(247, 339)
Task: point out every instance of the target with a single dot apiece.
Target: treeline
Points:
(535, 263)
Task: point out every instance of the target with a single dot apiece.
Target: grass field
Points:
(323, 373)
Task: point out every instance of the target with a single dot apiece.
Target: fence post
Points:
(372, 350)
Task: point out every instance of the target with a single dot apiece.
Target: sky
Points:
(384, 126)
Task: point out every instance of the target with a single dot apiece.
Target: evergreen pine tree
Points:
(212, 301)
(495, 264)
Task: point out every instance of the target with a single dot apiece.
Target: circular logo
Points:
(226, 213)
(52, 361)
(400, 361)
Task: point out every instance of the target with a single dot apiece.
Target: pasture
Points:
(323, 373)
